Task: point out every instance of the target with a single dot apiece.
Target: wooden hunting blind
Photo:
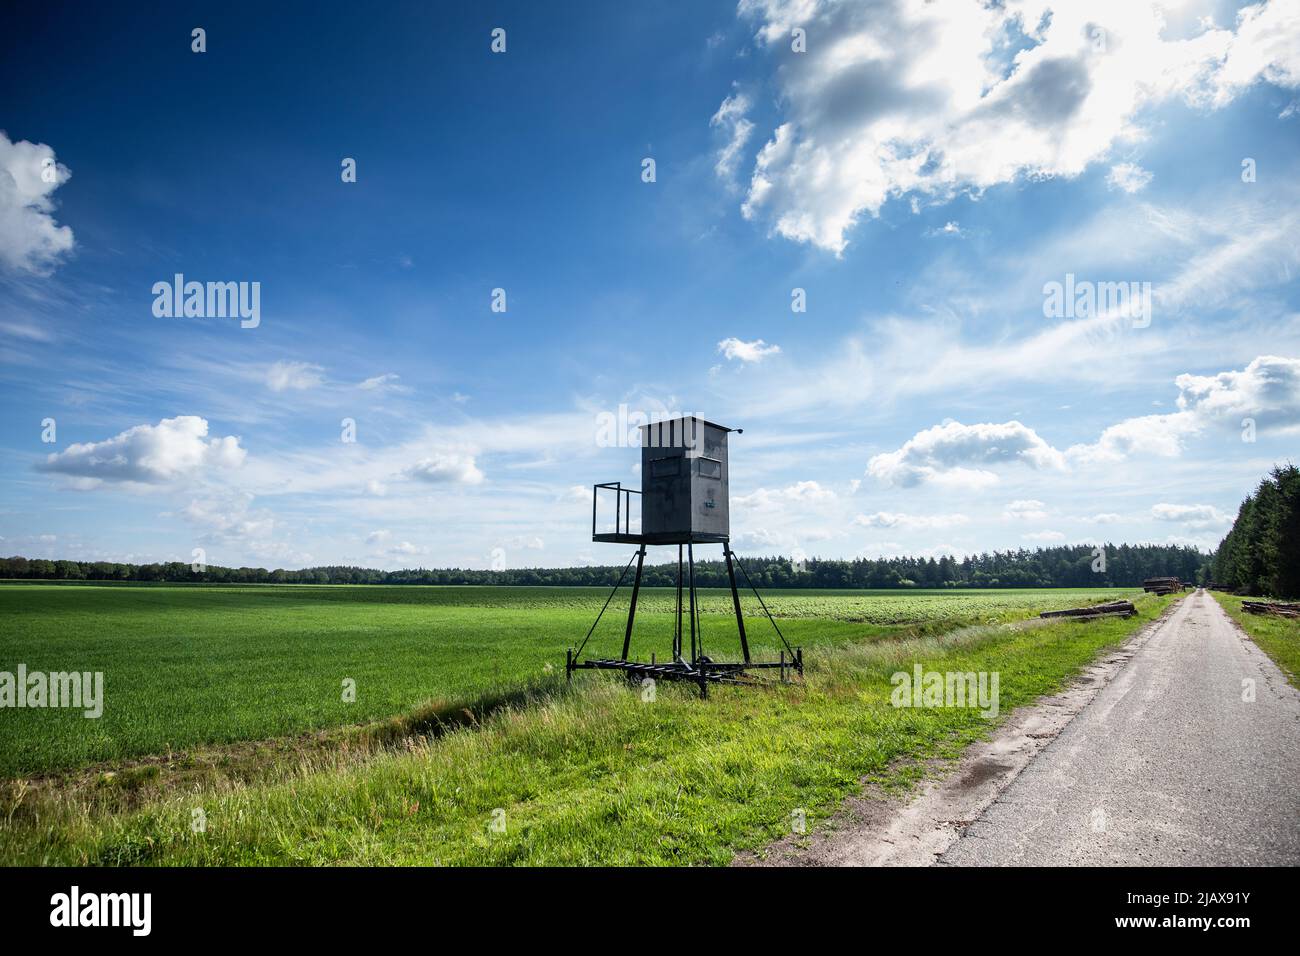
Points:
(684, 502)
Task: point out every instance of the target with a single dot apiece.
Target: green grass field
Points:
(200, 665)
(591, 774)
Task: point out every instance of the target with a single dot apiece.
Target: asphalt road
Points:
(1167, 765)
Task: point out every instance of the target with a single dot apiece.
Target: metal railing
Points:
(622, 506)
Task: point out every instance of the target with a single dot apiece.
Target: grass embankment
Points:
(594, 775)
(1278, 637)
(188, 666)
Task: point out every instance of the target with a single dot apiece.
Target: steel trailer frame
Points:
(698, 668)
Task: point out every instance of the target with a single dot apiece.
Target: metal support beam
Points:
(631, 611)
(735, 601)
(690, 557)
(677, 631)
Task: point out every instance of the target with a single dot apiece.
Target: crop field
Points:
(224, 703)
(204, 665)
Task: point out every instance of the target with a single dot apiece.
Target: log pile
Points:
(1163, 585)
(1110, 609)
(1271, 607)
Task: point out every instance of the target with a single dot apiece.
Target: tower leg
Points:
(677, 632)
(735, 602)
(631, 611)
(690, 558)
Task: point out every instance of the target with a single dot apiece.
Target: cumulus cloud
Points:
(296, 376)
(30, 240)
(1028, 509)
(944, 453)
(1196, 517)
(1128, 177)
(765, 499)
(1268, 388)
(446, 468)
(1044, 536)
(932, 99)
(150, 454)
(886, 519)
(1160, 435)
(1267, 391)
(755, 351)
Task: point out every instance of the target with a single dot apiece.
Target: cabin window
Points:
(710, 468)
(665, 467)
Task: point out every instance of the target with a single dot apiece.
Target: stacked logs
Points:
(1163, 585)
(1271, 607)
(1110, 609)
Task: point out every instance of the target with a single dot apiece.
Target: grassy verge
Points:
(1278, 637)
(594, 775)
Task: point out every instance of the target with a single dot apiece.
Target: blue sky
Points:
(920, 171)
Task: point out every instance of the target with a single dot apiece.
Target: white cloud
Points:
(30, 240)
(1129, 177)
(1044, 536)
(230, 518)
(766, 499)
(446, 467)
(755, 351)
(886, 519)
(761, 539)
(388, 381)
(936, 98)
(1266, 46)
(942, 452)
(950, 228)
(1103, 517)
(730, 118)
(1028, 509)
(1268, 390)
(283, 376)
(1196, 517)
(152, 454)
(1160, 435)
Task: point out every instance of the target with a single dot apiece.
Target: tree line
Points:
(1261, 552)
(1121, 565)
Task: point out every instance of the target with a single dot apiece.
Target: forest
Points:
(1124, 565)
(1261, 553)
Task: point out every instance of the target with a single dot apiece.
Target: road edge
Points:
(875, 828)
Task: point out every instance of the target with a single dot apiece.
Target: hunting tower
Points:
(685, 502)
